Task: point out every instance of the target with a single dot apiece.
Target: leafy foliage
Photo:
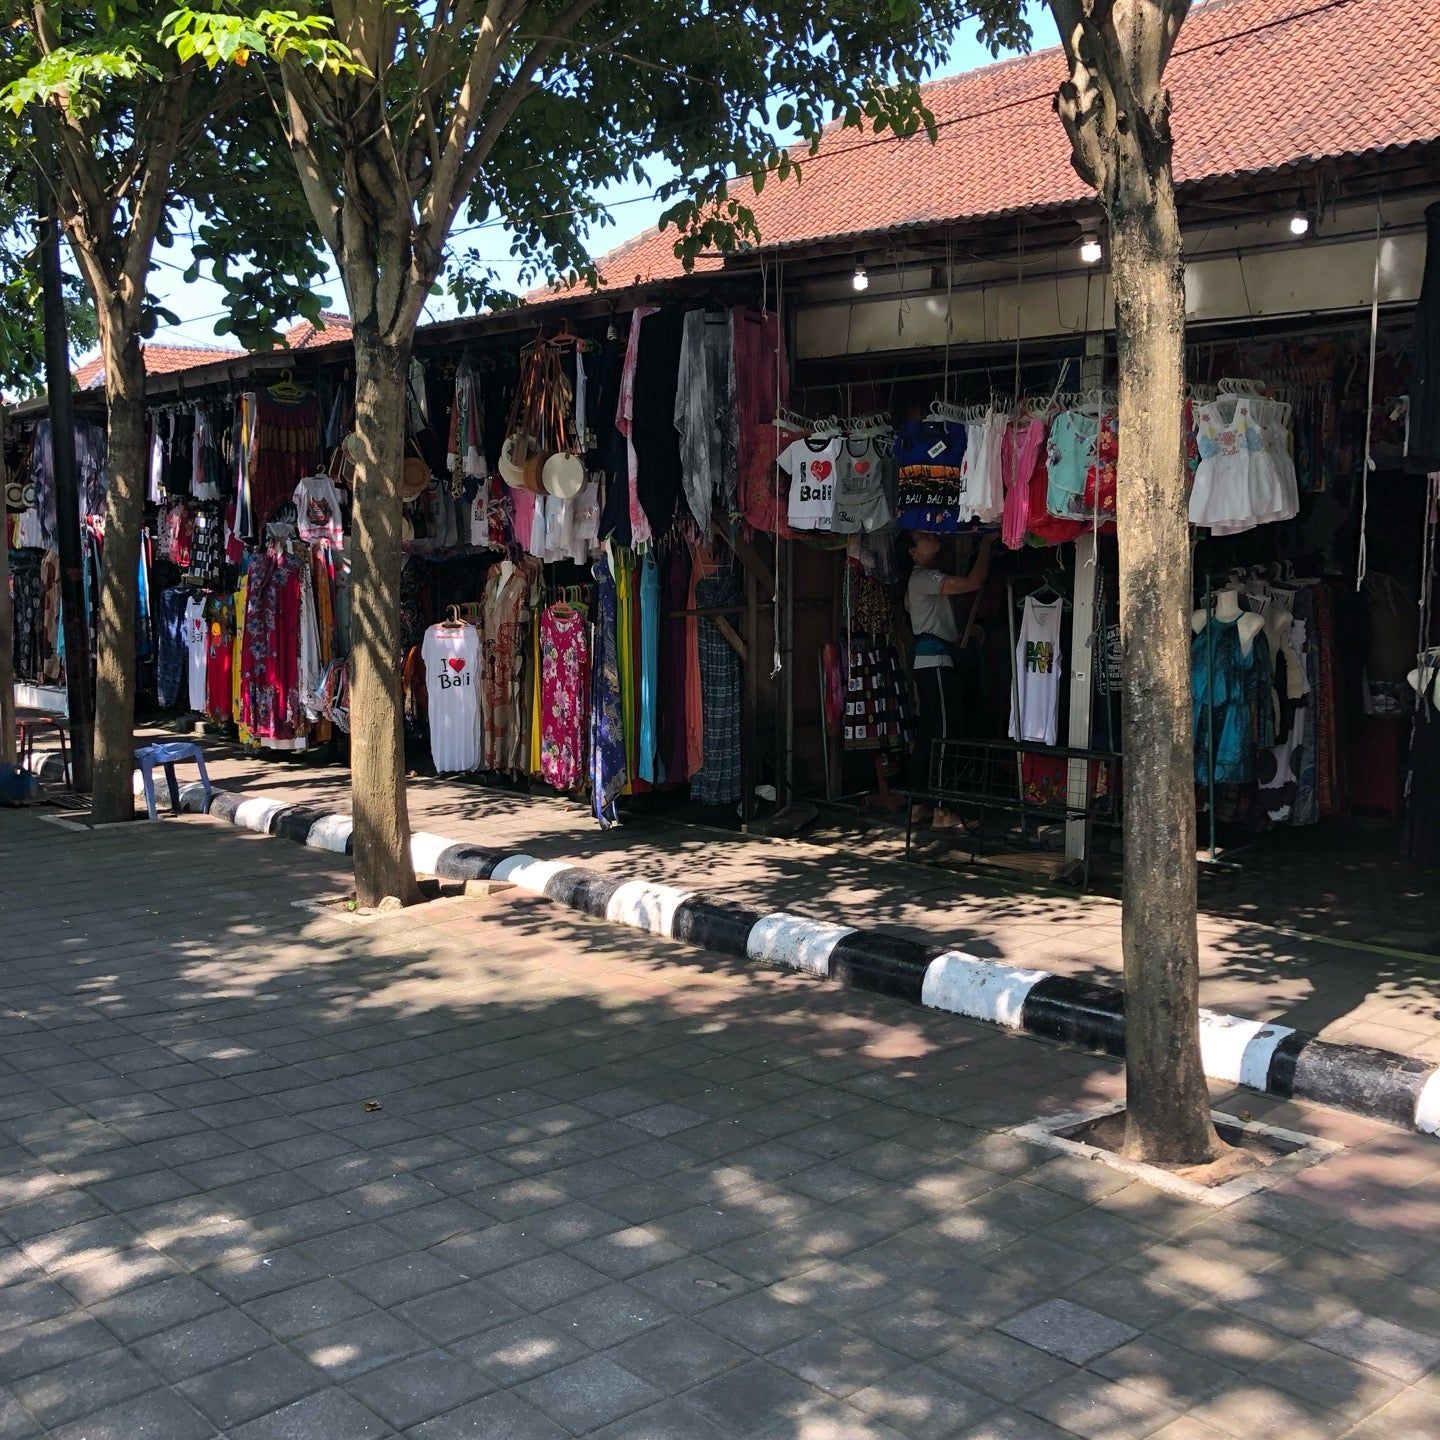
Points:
(584, 93)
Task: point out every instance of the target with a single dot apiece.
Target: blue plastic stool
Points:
(148, 756)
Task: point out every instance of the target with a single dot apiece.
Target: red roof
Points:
(159, 360)
(1258, 85)
(331, 327)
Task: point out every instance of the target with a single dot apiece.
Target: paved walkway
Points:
(492, 1170)
(1340, 991)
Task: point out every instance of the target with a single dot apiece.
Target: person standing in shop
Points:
(928, 596)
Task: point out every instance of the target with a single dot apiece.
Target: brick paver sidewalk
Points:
(497, 1171)
(1355, 995)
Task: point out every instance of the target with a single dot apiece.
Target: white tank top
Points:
(1038, 657)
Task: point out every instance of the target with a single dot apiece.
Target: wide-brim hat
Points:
(563, 475)
(511, 464)
(414, 478)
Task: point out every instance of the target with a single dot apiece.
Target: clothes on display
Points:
(197, 646)
(452, 655)
(1035, 701)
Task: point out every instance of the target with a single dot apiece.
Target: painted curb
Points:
(1272, 1058)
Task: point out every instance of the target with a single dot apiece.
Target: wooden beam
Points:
(732, 639)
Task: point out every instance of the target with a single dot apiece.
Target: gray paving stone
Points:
(364, 1342)
(325, 1415)
(460, 1311)
(840, 1362)
(81, 1386)
(747, 1400)
(158, 1413)
(761, 1322)
(28, 1349)
(253, 1386)
(142, 1312)
(198, 1345)
(1073, 1332)
(922, 1402)
(419, 1387)
(1097, 1409)
(403, 1277)
(254, 1276)
(626, 1252)
(588, 1393)
(607, 1316)
(1395, 1350)
(307, 1307)
(548, 1280)
(679, 1354)
(673, 1419)
(16, 1422)
(1005, 1368)
(31, 1301)
(494, 1247)
(493, 1416)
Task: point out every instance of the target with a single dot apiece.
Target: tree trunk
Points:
(125, 465)
(1167, 1105)
(7, 628)
(377, 754)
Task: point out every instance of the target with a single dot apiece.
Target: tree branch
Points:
(496, 25)
(321, 193)
(522, 85)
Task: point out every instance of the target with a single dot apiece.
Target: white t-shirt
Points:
(197, 636)
(452, 681)
(810, 464)
(317, 511)
(1037, 673)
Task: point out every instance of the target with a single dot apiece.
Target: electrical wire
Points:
(1036, 97)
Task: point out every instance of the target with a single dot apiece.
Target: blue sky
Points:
(201, 303)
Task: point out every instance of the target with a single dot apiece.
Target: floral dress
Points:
(564, 695)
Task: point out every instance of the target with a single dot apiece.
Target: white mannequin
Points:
(1227, 608)
(1432, 669)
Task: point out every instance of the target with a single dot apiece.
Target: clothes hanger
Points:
(285, 387)
(455, 622)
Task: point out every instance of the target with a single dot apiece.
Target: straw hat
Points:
(414, 478)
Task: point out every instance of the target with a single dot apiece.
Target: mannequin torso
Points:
(1227, 609)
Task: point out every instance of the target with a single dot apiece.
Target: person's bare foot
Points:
(944, 820)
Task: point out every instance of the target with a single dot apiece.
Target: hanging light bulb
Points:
(1300, 220)
(861, 278)
(1091, 252)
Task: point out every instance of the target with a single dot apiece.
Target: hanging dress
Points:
(607, 739)
(564, 695)
(717, 782)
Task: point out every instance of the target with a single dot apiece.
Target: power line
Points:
(1047, 95)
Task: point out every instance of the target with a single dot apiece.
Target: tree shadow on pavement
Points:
(498, 1170)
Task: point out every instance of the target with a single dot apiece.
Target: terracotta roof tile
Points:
(159, 360)
(1257, 85)
(332, 327)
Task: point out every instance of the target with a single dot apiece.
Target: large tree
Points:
(143, 142)
(524, 109)
(1116, 111)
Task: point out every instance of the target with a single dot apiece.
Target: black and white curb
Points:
(1271, 1058)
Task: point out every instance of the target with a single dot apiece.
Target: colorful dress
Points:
(607, 739)
(505, 615)
(270, 657)
(564, 695)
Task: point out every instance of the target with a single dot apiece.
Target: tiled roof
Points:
(331, 327)
(1257, 85)
(159, 360)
